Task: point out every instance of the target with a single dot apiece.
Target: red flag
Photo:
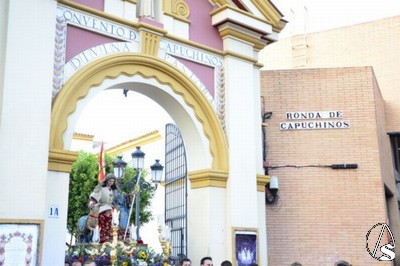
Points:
(102, 170)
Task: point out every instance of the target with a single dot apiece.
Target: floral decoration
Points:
(139, 257)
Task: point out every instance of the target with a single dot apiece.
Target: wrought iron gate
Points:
(176, 191)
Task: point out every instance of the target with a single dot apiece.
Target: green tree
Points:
(83, 179)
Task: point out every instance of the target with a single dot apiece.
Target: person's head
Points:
(296, 264)
(185, 262)
(342, 263)
(206, 261)
(109, 181)
(226, 263)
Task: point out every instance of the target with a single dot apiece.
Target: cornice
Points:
(239, 56)
(271, 13)
(262, 181)
(256, 42)
(224, 7)
(61, 160)
(208, 178)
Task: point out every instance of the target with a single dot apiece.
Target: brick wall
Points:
(375, 44)
(323, 215)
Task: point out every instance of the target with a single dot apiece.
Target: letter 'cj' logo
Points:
(374, 241)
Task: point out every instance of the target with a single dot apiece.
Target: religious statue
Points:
(105, 200)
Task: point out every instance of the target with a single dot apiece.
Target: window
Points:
(395, 141)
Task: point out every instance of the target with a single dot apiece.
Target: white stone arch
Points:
(171, 88)
(184, 116)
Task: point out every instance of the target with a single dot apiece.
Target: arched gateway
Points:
(198, 59)
(128, 70)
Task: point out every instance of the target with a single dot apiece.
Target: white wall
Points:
(27, 49)
(25, 117)
(3, 40)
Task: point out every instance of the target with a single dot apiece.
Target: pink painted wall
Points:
(201, 29)
(79, 40)
(204, 73)
(96, 4)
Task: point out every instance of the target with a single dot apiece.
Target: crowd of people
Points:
(207, 261)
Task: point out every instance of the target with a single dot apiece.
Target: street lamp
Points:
(156, 173)
(137, 159)
(119, 167)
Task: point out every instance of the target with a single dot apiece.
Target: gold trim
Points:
(61, 160)
(150, 28)
(256, 42)
(220, 2)
(244, 229)
(130, 144)
(150, 42)
(131, 1)
(131, 64)
(271, 13)
(193, 44)
(38, 222)
(177, 9)
(239, 56)
(85, 137)
(208, 178)
(227, 6)
(211, 50)
(262, 181)
(259, 65)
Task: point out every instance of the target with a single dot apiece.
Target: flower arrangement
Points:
(139, 257)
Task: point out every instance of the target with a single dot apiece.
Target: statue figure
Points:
(105, 199)
(145, 8)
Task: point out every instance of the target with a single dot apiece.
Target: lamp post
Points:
(119, 167)
(138, 164)
(156, 172)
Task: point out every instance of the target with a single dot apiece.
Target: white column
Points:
(207, 224)
(27, 51)
(243, 123)
(55, 231)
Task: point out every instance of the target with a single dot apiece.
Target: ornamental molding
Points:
(59, 55)
(150, 43)
(220, 87)
(177, 9)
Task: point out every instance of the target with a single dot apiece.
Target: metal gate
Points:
(176, 191)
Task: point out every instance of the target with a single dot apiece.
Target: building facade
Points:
(332, 141)
(197, 59)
